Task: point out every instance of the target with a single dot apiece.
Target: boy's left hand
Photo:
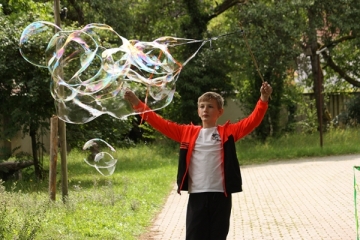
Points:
(131, 97)
(265, 91)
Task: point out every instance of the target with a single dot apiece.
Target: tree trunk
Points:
(315, 68)
(37, 165)
(15, 166)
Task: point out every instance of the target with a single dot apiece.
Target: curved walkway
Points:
(297, 199)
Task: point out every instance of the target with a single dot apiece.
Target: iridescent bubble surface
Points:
(92, 67)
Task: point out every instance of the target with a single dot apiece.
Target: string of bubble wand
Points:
(252, 55)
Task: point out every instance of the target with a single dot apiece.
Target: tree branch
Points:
(225, 5)
(15, 166)
(337, 41)
(338, 70)
(79, 12)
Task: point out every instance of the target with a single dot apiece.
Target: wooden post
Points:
(62, 126)
(53, 156)
(63, 152)
(320, 96)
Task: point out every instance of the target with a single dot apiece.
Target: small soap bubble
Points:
(99, 156)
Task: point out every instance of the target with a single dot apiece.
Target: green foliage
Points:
(278, 32)
(32, 10)
(346, 57)
(113, 13)
(307, 117)
(161, 18)
(112, 130)
(207, 71)
(354, 109)
(24, 87)
(292, 100)
(5, 152)
(270, 46)
(337, 23)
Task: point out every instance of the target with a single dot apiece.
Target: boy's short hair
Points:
(212, 95)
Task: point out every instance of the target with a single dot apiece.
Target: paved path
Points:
(298, 199)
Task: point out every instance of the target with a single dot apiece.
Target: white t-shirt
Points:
(205, 172)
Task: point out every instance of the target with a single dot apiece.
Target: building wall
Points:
(23, 143)
(232, 111)
(335, 103)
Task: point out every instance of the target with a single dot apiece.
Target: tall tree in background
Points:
(23, 87)
(281, 31)
(209, 70)
(337, 38)
(333, 34)
(266, 52)
(111, 12)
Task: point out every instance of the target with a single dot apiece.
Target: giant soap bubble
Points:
(92, 67)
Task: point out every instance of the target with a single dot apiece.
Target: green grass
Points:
(120, 206)
(123, 205)
(336, 142)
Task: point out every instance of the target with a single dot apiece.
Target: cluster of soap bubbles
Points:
(92, 67)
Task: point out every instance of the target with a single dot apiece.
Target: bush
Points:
(354, 110)
(107, 128)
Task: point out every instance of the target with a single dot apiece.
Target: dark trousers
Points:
(208, 216)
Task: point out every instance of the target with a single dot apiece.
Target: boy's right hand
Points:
(131, 97)
(265, 91)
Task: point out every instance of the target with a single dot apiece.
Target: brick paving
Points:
(298, 199)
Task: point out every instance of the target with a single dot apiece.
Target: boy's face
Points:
(209, 112)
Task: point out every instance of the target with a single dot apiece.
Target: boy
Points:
(208, 166)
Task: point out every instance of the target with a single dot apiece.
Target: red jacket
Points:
(186, 135)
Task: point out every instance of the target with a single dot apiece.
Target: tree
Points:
(266, 52)
(111, 12)
(24, 88)
(354, 109)
(281, 31)
(331, 29)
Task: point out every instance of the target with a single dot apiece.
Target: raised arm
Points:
(168, 128)
(248, 124)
